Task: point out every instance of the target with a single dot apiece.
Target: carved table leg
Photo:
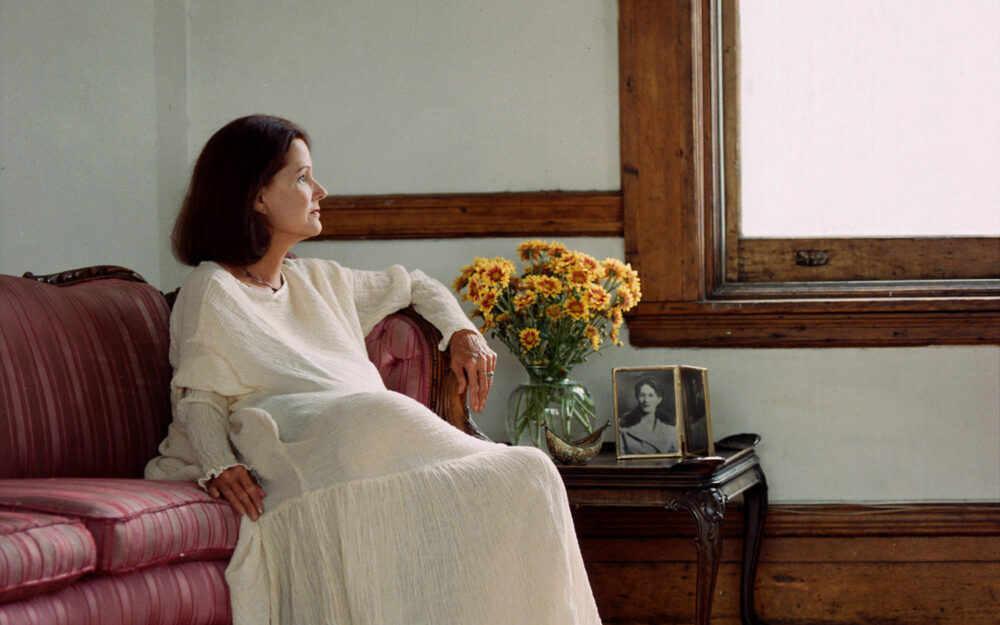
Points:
(708, 507)
(755, 503)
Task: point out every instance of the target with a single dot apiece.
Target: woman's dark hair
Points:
(217, 220)
(663, 413)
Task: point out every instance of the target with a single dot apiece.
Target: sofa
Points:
(84, 402)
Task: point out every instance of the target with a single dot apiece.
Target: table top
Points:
(734, 456)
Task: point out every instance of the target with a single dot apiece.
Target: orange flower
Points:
(595, 337)
(554, 311)
(530, 338)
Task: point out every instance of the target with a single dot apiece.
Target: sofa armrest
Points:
(403, 347)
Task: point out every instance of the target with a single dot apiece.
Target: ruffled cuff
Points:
(217, 471)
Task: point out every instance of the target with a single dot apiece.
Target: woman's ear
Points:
(259, 205)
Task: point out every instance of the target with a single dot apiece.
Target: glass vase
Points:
(552, 400)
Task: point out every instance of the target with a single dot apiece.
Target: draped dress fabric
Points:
(377, 511)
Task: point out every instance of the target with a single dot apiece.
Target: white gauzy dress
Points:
(377, 511)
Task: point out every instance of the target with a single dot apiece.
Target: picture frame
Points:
(648, 412)
(696, 411)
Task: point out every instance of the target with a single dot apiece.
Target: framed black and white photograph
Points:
(647, 405)
(696, 412)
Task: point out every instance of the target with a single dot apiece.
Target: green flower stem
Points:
(556, 403)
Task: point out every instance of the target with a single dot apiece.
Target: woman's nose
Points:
(320, 191)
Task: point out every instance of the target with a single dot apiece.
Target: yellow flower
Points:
(554, 311)
(598, 298)
(595, 337)
(487, 300)
(577, 276)
(496, 272)
(531, 250)
(529, 337)
(625, 298)
(463, 279)
(613, 335)
(577, 308)
(524, 300)
(556, 249)
(594, 268)
(616, 317)
(544, 285)
(616, 268)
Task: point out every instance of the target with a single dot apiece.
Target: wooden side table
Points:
(701, 488)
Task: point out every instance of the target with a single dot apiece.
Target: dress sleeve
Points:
(378, 294)
(205, 417)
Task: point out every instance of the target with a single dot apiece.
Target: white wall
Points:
(78, 182)
(436, 96)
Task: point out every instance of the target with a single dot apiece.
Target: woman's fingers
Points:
(240, 490)
(473, 362)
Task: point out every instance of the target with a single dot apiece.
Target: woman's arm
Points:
(204, 416)
(379, 293)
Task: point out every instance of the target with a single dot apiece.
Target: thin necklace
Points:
(264, 282)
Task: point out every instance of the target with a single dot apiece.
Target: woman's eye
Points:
(302, 178)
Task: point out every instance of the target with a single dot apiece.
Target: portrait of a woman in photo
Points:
(651, 426)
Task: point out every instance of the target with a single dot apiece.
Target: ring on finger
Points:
(489, 375)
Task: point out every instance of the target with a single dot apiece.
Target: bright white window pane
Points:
(870, 117)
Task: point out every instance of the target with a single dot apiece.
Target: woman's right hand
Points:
(240, 489)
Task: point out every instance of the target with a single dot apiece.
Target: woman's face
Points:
(647, 398)
(290, 201)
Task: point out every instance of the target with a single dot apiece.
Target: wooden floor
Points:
(871, 565)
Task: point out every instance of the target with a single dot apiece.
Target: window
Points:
(861, 140)
(705, 283)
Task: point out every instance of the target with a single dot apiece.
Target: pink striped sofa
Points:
(84, 402)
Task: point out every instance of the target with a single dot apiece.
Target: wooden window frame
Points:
(675, 231)
(668, 211)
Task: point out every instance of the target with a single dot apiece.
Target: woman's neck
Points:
(267, 269)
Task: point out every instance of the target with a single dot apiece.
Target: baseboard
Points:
(820, 564)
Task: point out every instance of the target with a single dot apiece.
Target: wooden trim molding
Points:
(674, 226)
(536, 214)
(839, 564)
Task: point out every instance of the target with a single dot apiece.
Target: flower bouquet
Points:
(552, 316)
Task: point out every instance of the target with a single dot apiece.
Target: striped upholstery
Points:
(192, 593)
(40, 553)
(84, 378)
(135, 523)
(401, 354)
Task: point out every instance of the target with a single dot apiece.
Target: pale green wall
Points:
(103, 109)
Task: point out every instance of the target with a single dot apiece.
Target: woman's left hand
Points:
(472, 362)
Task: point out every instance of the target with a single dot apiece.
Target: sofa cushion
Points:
(134, 523)
(84, 378)
(41, 553)
(190, 593)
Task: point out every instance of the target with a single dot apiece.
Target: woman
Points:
(650, 427)
(377, 511)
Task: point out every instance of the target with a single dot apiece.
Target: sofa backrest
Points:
(84, 377)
